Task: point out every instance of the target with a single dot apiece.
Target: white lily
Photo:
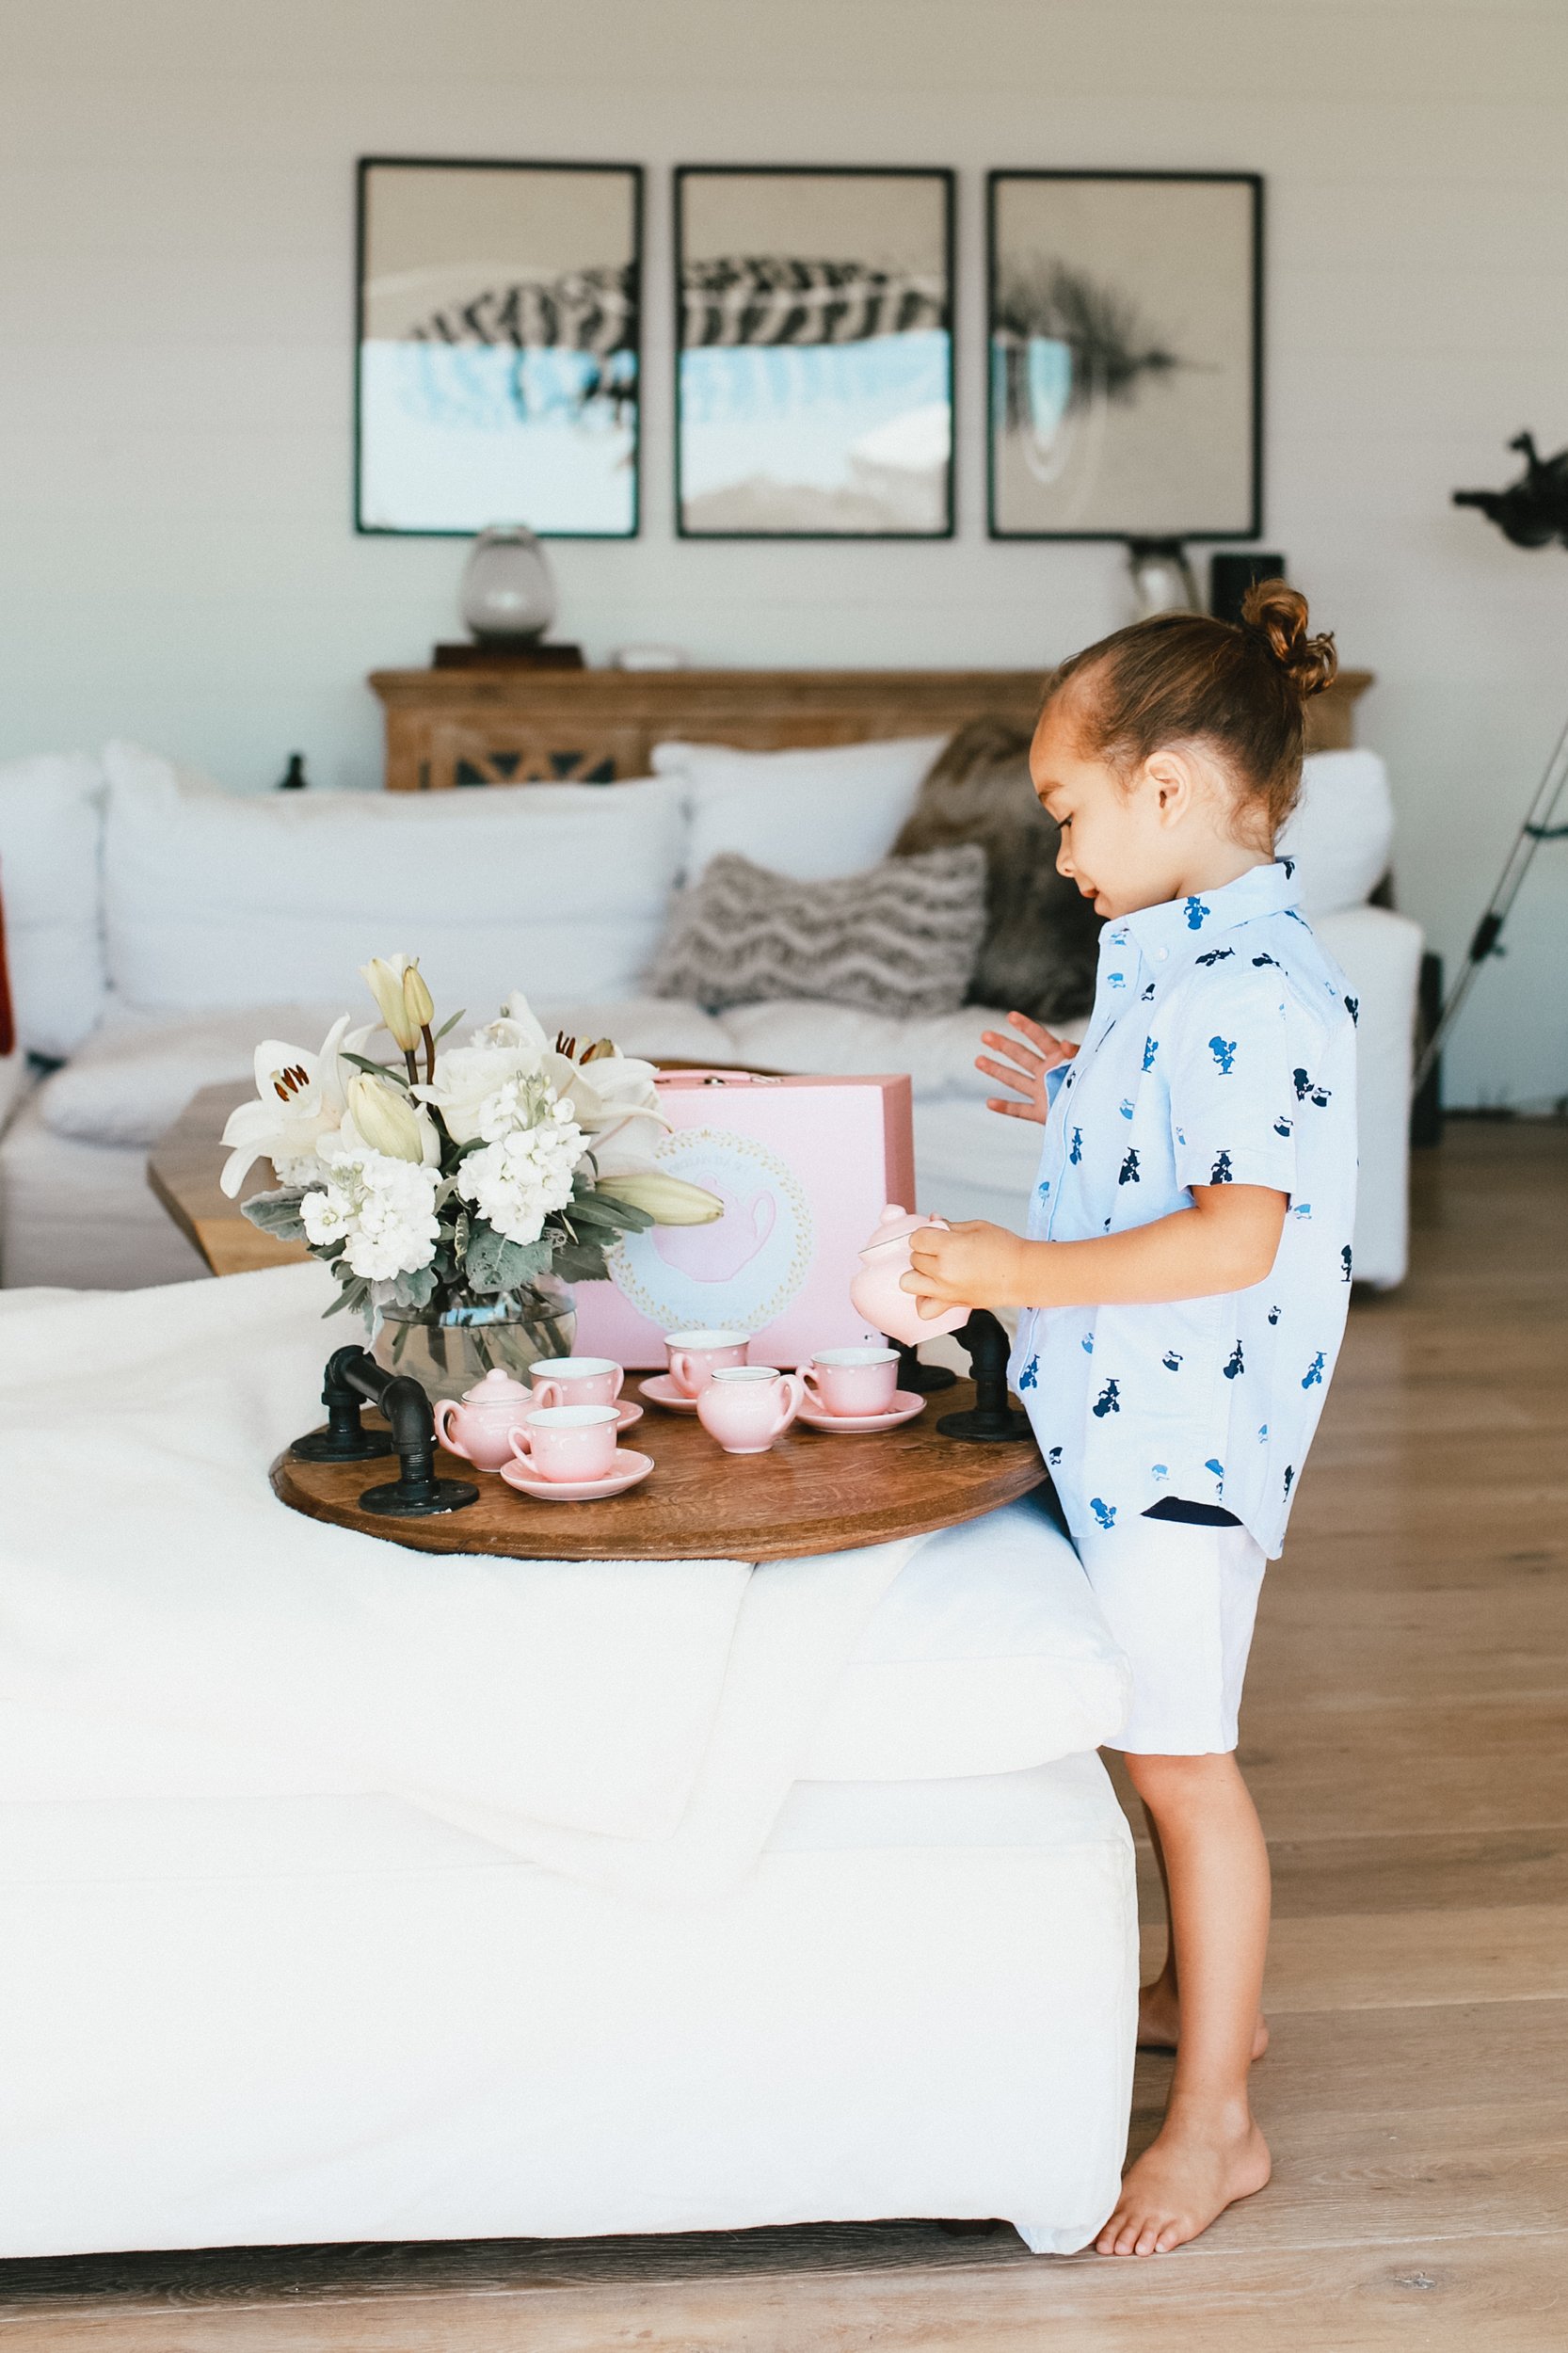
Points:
(668, 1200)
(387, 979)
(381, 1115)
(518, 1026)
(615, 1103)
(300, 1103)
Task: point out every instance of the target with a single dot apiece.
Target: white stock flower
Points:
(382, 1211)
(516, 1182)
(300, 1103)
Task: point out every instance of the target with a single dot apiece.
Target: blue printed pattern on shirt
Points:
(1220, 1051)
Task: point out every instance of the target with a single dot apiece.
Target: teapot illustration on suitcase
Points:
(716, 1253)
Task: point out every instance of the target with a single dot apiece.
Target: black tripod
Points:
(1533, 513)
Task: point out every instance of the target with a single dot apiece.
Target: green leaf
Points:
(450, 1023)
(355, 1293)
(580, 1263)
(589, 1210)
(277, 1212)
(378, 1069)
(406, 1290)
(492, 1264)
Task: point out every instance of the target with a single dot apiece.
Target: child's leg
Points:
(1209, 2152)
(1159, 2002)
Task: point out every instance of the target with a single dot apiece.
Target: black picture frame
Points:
(1248, 523)
(945, 180)
(635, 176)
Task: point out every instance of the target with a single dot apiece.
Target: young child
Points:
(1184, 1281)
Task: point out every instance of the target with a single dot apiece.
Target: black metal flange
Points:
(416, 1493)
(991, 1420)
(920, 1379)
(345, 1439)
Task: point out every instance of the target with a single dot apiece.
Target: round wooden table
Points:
(815, 1491)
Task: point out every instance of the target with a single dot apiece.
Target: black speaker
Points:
(1231, 575)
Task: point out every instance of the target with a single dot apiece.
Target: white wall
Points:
(176, 259)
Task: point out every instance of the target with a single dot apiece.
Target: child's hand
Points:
(1025, 1068)
(973, 1265)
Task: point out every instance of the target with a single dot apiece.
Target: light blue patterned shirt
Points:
(1220, 1051)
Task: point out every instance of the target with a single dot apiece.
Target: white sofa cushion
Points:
(215, 899)
(139, 1071)
(986, 1655)
(51, 832)
(840, 1041)
(812, 815)
(1341, 832)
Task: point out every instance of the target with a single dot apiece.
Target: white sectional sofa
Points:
(160, 927)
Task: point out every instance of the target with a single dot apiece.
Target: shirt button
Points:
(1162, 953)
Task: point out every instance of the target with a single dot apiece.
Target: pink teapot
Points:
(479, 1426)
(876, 1290)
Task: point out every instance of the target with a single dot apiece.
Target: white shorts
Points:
(1180, 1601)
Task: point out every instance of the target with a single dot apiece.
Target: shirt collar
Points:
(1190, 923)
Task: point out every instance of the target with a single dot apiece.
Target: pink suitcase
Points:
(804, 1168)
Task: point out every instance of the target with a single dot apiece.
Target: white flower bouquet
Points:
(446, 1184)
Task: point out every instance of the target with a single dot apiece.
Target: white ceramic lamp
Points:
(507, 593)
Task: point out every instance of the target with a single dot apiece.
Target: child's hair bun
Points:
(1277, 613)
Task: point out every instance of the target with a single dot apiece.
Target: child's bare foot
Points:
(1179, 2184)
(1160, 2019)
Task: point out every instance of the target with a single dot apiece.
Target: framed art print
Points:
(498, 374)
(814, 353)
(1125, 355)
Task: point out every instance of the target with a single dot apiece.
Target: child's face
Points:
(1118, 844)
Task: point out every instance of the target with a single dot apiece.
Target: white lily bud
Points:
(667, 1200)
(385, 1118)
(383, 977)
(418, 1001)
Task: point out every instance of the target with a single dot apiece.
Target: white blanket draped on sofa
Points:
(636, 1725)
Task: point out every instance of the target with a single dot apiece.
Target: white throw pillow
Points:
(51, 835)
(812, 815)
(217, 899)
(1341, 832)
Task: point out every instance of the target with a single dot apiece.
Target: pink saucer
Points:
(905, 1405)
(661, 1390)
(629, 1467)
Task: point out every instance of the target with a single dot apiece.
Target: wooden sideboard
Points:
(512, 725)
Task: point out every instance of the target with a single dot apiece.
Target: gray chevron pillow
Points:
(901, 938)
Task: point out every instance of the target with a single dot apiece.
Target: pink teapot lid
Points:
(496, 1388)
(894, 1224)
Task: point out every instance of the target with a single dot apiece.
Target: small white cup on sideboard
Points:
(695, 1357)
(748, 1406)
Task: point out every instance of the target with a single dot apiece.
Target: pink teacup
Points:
(569, 1441)
(748, 1406)
(695, 1357)
(576, 1381)
(852, 1380)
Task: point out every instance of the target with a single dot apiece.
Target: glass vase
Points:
(448, 1349)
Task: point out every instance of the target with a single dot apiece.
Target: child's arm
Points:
(1226, 1241)
(1030, 1055)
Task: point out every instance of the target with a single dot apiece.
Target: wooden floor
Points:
(1407, 1733)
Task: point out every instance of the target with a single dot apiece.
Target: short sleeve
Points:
(1237, 1076)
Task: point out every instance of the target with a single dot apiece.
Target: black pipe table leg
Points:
(991, 1420)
